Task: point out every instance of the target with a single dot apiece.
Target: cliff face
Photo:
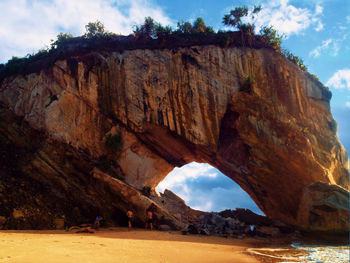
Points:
(250, 113)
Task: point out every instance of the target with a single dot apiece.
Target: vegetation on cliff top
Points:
(153, 35)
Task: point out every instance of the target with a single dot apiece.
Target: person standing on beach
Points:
(97, 222)
(149, 220)
(129, 214)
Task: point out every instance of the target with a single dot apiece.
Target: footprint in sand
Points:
(102, 245)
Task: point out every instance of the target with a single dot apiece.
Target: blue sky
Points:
(317, 31)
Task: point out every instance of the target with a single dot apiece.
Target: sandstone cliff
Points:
(248, 112)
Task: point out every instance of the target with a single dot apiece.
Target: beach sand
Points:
(120, 245)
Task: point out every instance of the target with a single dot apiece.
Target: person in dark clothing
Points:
(149, 220)
(97, 222)
(130, 215)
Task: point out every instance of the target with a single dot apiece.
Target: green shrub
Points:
(151, 35)
(94, 29)
(148, 30)
(295, 59)
(315, 77)
(249, 80)
(184, 27)
(224, 38)
(62, 39)
(247, 84)
(270, 37)
(199, 26)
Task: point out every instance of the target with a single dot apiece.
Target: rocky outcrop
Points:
(176, 206)
(46, 184)
(238, 223)
(248, 112)
(324, 207)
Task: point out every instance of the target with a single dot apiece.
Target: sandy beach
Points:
(120, 245)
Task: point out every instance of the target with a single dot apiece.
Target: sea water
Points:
(303, 252)
(324, 253)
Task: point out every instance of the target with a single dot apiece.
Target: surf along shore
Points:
(120, 245)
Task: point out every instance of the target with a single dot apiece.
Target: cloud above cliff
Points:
(330, 45)
(340, 79)
(28, 25)
(179, 176)
(288, 19)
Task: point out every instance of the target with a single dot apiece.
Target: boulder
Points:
(17, 213)
(268, 231)
(204, 231)
(324, 207)
(59, 223)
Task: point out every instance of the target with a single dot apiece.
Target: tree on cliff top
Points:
(198, 26)
(62, 38)
(94, 29)
(151, 29)
(234, 19)
(186, 33)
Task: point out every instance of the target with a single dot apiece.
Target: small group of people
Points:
(130, 216)
(149, 219)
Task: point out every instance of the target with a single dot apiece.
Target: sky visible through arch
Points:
(205, 188)
(317, 31)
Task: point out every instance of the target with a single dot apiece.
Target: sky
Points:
(318, 31)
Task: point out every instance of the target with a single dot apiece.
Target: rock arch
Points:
(274, 136)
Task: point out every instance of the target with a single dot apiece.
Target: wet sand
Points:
(120, 245)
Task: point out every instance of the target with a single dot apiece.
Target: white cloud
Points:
(204, 206)
(347, 104)
(319, 9)
(340, 79)
(188, 182)
(319, 26)
(178, 176)
(288, 19)
(348, 19)
(27, 26)
(329, 44)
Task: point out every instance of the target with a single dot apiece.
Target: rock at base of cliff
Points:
(324, 207)
(59, 223)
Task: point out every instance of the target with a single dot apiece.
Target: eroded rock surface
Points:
(274, 136)
(324, 207)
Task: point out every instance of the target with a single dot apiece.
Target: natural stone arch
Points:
(274, 136)
(269, 136)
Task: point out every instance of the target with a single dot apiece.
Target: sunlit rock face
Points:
(248, 112)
